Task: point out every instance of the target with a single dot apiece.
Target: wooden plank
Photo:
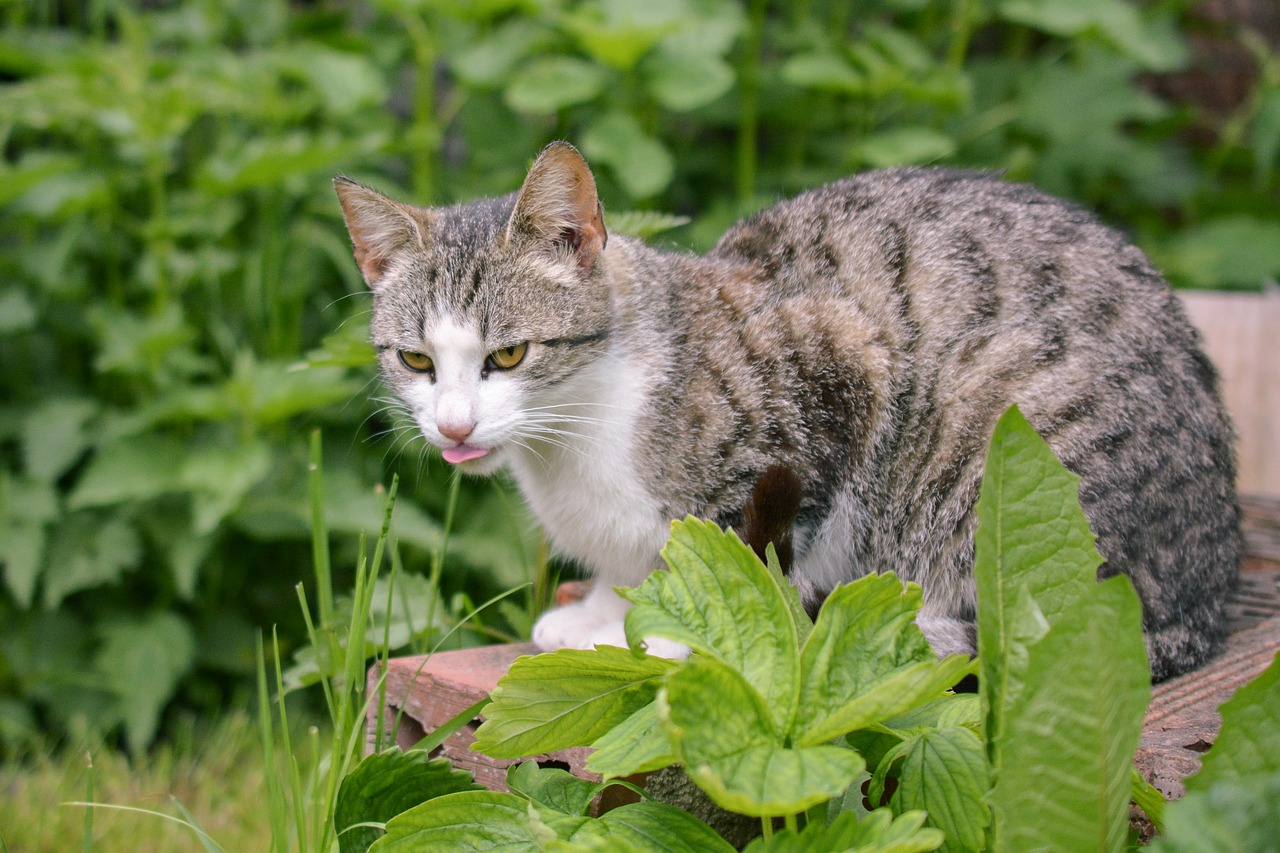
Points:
(1241, 333)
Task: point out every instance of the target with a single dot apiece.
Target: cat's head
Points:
(484, 313)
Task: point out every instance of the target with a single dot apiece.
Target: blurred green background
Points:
(179, 310)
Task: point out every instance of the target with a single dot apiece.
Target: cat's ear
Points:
(379, 227)
(558, 205)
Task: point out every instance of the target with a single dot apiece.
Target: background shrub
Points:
(179, 308)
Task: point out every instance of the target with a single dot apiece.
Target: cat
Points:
(864, 336)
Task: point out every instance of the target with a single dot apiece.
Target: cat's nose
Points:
(457, 430)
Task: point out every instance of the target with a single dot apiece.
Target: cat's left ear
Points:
(558, 205)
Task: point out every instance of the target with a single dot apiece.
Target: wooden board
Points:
(1241, 334)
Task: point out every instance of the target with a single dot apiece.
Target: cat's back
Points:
(979, 294)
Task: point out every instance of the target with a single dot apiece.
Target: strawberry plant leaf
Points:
(639, 744)
(866, 660)
(385, 784)
(944, 773)
(727, 738)
(556, 789)
(566, 698)
(720, 600)
(877, 832)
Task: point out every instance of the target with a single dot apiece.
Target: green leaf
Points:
(475, 821)
(490, 61)
(719, 599)
(905, 145)
(1230, 816)
(648, 826)
(619, 32)
(683, 82)
(944, 773)
(566, 698)
(88, 552)
(25, 507)
(1248, 744)
(638, 160)
(386, 784)
(219, 478)
(1079, 712)
(134, 469)
(644, 223)
(1236, 251)
(866, 660)
(551, 83)
(639, 744)
(556, 789)
(1034, 556)
(1118, 23)
(825, 71)
(727, 738)
(142, 662)
(877, 832)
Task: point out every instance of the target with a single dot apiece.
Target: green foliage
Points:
(180, 306)
(1233, 802)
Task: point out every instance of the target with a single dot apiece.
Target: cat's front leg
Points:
(597, 620)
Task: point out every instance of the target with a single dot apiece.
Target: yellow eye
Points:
(508, 357)
(416, 361)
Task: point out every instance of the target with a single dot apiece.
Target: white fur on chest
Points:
(587, 494)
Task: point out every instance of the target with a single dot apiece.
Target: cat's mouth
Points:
(464, 453)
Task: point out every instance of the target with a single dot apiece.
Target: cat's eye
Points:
(416, 361)
(508, 357)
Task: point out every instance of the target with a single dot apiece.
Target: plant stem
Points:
(749, 112)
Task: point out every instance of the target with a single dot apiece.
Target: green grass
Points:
(214, 770)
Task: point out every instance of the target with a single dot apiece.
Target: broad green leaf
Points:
(566, 698)
(661, 828)
(489, 61)
(944, 773)
(556, 789)
(719, 599)
(826, 71)
(683, 82)
(142, 662)
(55, 434)
(906, 145)
(639, 161)
(551, 83)
(1062, 766)
(474, 821)
(17, 312)
(219, 478)
(386, 784)
(727, 738)
(619, 32)
(25, 507)
(1119, 23)
(866, 660)
(86, 552)
(877, 832)
(1234, 251)
(1233, 815)
(1248, 744)
(638, 744)
(1033, 557)
(134, 469)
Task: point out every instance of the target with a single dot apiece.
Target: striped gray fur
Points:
(865, 336)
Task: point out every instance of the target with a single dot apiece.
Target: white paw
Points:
(568, 627)
(615, 634)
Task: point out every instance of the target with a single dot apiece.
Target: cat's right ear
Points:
(379, 227)
(558, 206)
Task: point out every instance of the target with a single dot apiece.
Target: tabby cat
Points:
(865, 336)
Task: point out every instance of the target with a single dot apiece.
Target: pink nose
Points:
(457, 431)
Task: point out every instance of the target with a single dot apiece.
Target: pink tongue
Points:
(463, 453)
